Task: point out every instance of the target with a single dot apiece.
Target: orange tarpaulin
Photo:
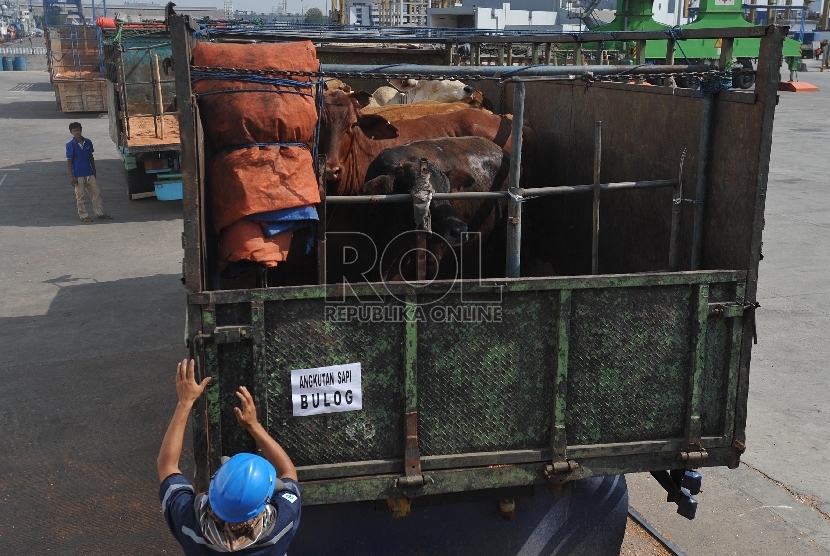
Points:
(244, 241)
(247, 179)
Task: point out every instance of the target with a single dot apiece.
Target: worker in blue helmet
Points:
(253, 503)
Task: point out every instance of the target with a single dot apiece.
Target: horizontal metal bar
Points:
(615, 186)
(493, 72)
(527, 193)
(428, 463)
(379, 487)
(347, 35)
(619, 36)
(507, 285)
(647, 447)
(350, 469)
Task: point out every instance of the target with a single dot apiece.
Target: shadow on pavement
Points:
(38, 193)
(87, 395)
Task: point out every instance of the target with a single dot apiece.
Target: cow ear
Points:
(381, 185)
(377, 127)
(363, 98)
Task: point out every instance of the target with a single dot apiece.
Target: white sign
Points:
(326, 390)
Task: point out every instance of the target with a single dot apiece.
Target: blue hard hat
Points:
(242, 488)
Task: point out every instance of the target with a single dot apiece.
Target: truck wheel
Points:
(139, 184)
(743, 80)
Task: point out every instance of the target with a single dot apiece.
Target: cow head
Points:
(404, 85)
(341, 120)
(333, 84)
(444, 220)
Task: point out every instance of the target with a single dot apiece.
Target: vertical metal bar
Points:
(676, 218)
(597, 169)
(547, 53)
(577, 53)
(198, 421)
(501, 54)
(211, 368)
(125, 111)
(559, 441)
(476, 61)
(158, 104)
(258, 360)
(534, 53)
(194, 278)
(697, 364)
(514, 203)
(734, 364)
(671, 46)
(321, 223)
(700, 186)
(640, 55)
(726, 53)
(767, 77)
(412, 455)
(509, 54)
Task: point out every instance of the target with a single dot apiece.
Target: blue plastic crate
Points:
(169, 191)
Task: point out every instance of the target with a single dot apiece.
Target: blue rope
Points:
(676, 34)
(263, 79)
(199, 95)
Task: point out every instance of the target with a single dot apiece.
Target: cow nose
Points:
(333, 172)
(455, 232)
(468, 90)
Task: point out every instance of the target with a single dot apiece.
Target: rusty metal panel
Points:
(297, 337)
(475, 378)
(482, 391)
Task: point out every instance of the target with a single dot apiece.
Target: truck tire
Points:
(139, 184)
(743, 80)
(589, 521)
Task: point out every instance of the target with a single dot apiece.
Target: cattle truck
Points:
(629, 351)
(142, 109)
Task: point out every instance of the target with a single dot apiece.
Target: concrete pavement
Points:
(778, 501)
(91, 326)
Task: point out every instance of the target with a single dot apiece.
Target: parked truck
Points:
(141, 97)
(75, 68)
(628, 352)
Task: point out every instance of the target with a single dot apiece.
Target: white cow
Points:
(441, 90)
(448, 90)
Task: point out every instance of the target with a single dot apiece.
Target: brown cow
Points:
(398, 112)
(457, 164)
(351, 140)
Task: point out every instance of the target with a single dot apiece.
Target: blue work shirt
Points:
(79, 155)
(178, 502)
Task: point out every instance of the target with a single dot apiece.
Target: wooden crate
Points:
(82, 96)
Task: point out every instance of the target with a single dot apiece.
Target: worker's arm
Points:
(271, 450)
(92, 163)
(188, 391)
(71, 171)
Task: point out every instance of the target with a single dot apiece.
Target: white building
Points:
(362, 13)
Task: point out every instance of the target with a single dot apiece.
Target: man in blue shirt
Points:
(253, 503)
(81, 166)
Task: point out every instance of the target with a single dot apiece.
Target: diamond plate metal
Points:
(488, 386)
(297, 337)
(715, 376)
(629, 364)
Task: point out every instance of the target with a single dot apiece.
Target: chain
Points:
(587, 77)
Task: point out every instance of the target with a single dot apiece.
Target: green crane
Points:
(636, 15)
